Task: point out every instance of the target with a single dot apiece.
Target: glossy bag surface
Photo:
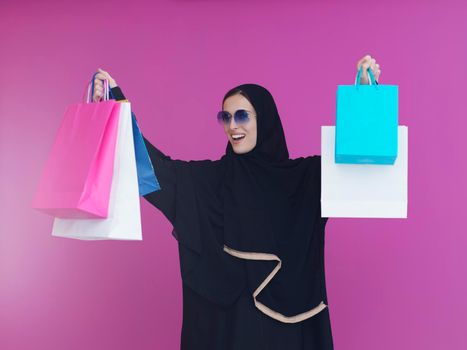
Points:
(77, 176)
(366, 123)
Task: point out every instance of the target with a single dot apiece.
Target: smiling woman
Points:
(239, 120)
(249, 230)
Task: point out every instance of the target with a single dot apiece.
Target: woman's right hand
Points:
(368, 62)
(99, 84)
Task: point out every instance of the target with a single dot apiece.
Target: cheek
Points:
(253, 130)
(252, 135)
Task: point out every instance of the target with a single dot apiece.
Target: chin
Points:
(241, 150)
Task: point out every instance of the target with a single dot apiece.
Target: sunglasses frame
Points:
(236, 117)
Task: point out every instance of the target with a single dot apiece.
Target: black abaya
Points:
(219, 310)
(243, 327)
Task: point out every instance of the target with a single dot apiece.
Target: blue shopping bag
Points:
(366, 122)
(147, 180)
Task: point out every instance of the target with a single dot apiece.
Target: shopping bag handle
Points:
(107, 92)
(370, 72)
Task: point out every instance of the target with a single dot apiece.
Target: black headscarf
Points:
(253, 221)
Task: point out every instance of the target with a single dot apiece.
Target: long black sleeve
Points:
(164, 169)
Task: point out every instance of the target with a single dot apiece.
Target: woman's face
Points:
(247, 143)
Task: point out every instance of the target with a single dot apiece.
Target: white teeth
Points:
(237, 136)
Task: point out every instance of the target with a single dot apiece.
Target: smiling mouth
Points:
(238, 137)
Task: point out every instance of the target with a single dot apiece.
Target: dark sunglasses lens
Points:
(223, 117)
(241, 116)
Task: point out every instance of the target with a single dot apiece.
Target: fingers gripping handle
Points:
(90, 92)
(370, 72)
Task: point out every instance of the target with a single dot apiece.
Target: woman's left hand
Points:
(366, 62)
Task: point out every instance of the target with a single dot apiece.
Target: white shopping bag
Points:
(363, 190)
(124, 218)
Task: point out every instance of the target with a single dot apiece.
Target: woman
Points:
(250, 232)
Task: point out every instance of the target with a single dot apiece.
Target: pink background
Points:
(392, 283)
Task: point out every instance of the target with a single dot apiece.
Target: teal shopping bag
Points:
(366, 122)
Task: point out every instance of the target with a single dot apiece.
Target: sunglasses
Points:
(241, 116)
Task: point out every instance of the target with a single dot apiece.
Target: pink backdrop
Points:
(392, 283)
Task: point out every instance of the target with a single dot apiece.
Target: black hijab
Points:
(252, 222)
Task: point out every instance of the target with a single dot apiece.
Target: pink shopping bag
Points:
(77, 177)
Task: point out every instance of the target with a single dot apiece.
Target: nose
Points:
(232, 123)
